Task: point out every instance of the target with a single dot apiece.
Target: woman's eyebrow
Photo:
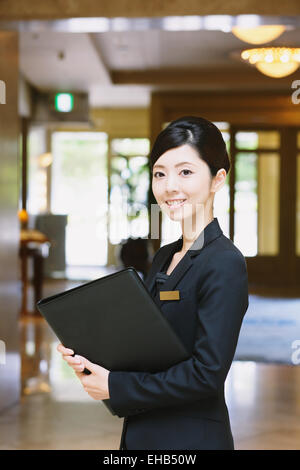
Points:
(178, 164)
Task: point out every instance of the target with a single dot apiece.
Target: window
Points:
(129, 184)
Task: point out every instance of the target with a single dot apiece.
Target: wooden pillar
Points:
(24, 160)
(156, 122)
(288, 187)
(10, 287)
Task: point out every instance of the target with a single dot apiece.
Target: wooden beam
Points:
(35, 9)
(220, 78)
(251, 108)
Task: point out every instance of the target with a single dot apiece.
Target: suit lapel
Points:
(210, 232)
(178, 272)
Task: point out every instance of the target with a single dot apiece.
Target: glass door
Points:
(79, 189)
(266, 203)
(257, 191)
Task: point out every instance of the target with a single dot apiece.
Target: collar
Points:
(208, 234)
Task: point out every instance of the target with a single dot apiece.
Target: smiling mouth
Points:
(176, 204)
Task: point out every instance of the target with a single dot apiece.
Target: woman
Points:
(183, 407)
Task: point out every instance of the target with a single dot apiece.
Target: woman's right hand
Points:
(73, 361)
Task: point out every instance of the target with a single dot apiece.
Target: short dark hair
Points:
(200, 134)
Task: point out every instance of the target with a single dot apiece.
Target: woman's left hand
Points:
(96, 383)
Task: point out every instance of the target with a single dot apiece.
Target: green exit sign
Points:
(64, 102)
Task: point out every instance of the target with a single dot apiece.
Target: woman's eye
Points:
(160, 173)
(187, 170)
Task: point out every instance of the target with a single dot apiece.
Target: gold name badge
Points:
(169, 295)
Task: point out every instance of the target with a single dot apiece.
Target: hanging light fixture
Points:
(275, 62)
(259, 34)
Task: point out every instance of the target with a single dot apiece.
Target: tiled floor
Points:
(263, 402)
(56, 413)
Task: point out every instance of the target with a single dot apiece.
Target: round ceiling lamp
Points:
(259, 34)
(275, 62)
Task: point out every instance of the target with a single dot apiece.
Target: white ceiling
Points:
(141, 50)
(51, 60)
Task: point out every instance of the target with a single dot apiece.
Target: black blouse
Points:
(161, 276)
(160, 279)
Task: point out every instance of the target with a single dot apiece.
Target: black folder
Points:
(114, 322)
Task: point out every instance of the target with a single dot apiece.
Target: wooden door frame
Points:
(277, 270)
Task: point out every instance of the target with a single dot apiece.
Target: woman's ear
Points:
(218, 180)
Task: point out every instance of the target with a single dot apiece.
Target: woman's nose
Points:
(171, 183)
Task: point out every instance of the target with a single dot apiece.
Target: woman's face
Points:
(181, 174)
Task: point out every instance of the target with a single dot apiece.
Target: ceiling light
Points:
(258, 34)
(275, 62)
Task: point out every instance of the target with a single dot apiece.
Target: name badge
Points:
(169, 295)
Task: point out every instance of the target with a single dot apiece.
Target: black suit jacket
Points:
(183, 407)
